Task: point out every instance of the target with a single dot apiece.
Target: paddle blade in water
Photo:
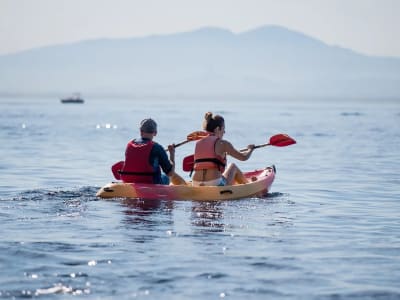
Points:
(281, 140)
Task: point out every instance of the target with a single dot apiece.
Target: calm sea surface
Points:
(328, 229)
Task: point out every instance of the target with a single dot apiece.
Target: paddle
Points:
(194, 136)
(116, 168)
(278, 140)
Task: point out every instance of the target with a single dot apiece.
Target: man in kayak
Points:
(210, 156)
(144, 159)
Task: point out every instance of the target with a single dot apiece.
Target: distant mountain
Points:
(270, 60)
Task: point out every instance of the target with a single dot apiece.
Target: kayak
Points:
(260, 182)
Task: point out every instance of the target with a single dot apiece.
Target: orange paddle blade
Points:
(194, 136)
(197, 135)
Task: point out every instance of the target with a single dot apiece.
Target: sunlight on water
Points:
(328, 229)
(106, 126)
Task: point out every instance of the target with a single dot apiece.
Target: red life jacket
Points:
(205, 156)
(136, 166)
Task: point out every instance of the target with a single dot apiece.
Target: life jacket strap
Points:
(213, 160)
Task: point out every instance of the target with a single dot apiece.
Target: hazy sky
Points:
(367, 26)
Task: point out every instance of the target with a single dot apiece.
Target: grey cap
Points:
(148, 126)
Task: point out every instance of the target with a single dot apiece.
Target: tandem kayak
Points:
(260, 182)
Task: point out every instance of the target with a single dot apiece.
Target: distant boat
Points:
(74, 98)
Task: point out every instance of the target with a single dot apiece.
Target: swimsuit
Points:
(215, 182)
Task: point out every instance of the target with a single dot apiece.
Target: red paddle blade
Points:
(281, 140)
(197, 135)
(188, 163)
(117, 167)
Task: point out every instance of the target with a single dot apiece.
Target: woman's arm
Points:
(226, 147)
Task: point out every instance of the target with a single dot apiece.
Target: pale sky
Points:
(367, 26)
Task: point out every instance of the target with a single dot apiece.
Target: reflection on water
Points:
(221, 216)
(146, 207)
(147, 212)
(143, 218)
(208, 216)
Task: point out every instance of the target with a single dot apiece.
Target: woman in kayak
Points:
(210, 156)
(145, 158)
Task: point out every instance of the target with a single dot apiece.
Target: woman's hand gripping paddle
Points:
(278, 140)
(194, 136)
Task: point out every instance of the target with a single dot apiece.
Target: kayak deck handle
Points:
(223, 192)
(107, 189)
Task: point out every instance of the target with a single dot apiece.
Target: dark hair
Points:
(148, 126)
(211, 122)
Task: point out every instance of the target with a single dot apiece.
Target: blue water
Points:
(328, 229)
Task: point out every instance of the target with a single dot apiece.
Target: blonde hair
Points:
(212, 121)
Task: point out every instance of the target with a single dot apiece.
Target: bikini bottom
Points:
(215, 182)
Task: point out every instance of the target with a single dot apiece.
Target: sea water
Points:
(328, 229)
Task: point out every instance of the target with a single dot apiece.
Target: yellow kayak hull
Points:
(260, 182)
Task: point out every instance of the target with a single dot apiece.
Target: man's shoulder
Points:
(155, 144)
(157, 147)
